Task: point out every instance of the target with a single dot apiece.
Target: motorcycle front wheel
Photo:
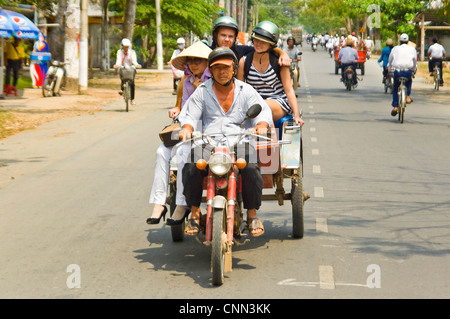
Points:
(47, 86)
(218, 248)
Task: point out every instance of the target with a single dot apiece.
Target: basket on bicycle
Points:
(127, 74)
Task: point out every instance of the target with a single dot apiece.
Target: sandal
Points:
(254, 224)
(192, 226)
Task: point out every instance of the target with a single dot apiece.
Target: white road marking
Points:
(315, 151)
(321, 225)
(314, 139)
(326, 277)
(318, 192)
(316, 169)
(312, 121)
(312, 129)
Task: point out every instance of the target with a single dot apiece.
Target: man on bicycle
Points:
(127, 57)
(436, 54)
(403, 59)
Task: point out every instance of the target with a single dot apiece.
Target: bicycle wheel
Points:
(437, 78)
(126, 95)
(402, 104)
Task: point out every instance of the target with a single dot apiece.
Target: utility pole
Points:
(71, 44)
(84, 34)
(159, 50)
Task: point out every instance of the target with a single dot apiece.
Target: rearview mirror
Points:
(253, 111)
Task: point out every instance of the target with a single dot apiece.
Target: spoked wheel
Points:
(47, 87)
(436, 79)
(297, 204)
(402, 105)
(219, 239)
(126, 95)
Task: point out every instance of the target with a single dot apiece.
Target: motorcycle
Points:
(348, 78)
(294, 71)
(54, 80)
(224, 216)
(314, 47)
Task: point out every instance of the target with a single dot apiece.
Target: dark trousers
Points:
(252, 179)
(131, 88)
(14, 67)
(353, 66)
(431, 64)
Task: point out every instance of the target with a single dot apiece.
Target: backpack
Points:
(272, 59)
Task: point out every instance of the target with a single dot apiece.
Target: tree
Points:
(129, 19)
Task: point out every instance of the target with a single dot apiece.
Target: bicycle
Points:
(127, 75)
(437, 76)
(402, 98)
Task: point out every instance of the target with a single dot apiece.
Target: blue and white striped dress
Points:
(269, 86)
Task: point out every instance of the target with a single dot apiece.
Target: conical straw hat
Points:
(197, 50)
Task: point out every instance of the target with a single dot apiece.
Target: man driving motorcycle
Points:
(348, 56)
(221, 104)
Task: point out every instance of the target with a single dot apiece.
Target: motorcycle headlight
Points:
(220, 163)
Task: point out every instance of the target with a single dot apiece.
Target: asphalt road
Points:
(74, 200)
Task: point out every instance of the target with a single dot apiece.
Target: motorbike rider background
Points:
(403, 59)
(127, 57)
(293, 53)
(221, 104)
(348, 56)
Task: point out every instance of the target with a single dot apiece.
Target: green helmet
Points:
(266, 31)
(225, 21)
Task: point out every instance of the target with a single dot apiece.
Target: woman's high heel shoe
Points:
(172, 222)
(154, 221)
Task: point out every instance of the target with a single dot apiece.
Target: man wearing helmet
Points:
(220, 104)
(127, 57)
(293, 53)
(403, 59)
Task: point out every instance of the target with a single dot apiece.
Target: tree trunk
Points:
(129, 18)
(56, 35)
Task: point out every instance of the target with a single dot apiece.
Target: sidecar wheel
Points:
(218, 246)
(297, 206)
(176, 230)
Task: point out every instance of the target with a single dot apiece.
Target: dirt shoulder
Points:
(30, 109)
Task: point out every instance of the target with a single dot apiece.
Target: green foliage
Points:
(178, 19)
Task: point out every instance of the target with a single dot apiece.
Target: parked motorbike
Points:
(54, 80)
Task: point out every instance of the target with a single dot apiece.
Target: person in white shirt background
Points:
(403, 59)
(436, 53)
(127, 57)
(177, 74)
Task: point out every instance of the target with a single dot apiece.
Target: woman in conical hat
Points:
(194, 62)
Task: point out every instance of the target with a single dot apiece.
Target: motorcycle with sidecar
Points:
(280, 157)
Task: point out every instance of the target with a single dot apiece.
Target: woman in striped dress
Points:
(262, 71)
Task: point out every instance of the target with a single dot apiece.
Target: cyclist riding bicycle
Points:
(127, 57)
(403, 59)
(436, 54)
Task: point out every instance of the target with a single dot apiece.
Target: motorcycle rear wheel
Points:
(47, 86)
(297, 205)
(218, 250)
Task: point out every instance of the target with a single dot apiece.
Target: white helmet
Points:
(181, 41)
(404, 37)
(126, 43)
